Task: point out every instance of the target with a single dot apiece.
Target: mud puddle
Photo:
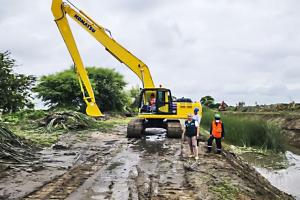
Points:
(155, 134)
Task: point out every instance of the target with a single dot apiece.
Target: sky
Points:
(233, 50)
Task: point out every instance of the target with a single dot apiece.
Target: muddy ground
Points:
(110, 166)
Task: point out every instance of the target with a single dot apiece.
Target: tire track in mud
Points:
(140, 169)
(61, 187)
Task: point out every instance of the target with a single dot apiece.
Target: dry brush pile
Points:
(14, 149)
(39, 132)
(67, 120)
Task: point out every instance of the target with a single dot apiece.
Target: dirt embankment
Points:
(110, 166)
(291, 126)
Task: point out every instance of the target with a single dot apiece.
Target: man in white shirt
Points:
(197, 118)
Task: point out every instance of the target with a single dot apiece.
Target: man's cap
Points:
(196, 109)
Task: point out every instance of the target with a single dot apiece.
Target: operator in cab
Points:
(191, 132)
(152, 102)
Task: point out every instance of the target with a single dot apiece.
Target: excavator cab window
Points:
(156, 101)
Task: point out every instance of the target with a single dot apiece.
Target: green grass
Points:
(27, 114)
(116, 121)
(247, 131)
(225, 190)
(38, 138)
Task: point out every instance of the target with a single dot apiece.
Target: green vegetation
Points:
(62, 90)
(38, 137)
(15, 89)
(225, 190)
(24, 115)
(247, 131)
(207, 101)
(134, 95)
(44, 128)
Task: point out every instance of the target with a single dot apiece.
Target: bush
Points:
(133, 100)
(247, 131)
(24, 115)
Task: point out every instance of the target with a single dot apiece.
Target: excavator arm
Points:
(65, 30)
(59, 10)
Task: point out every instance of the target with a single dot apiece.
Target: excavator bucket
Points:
(93, 110)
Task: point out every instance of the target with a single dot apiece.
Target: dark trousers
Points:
(218, 143)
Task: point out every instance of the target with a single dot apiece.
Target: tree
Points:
(207, 101)
(134, 97)
(15, 89)
(62, 90)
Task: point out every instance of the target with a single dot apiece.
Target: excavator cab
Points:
(156, 101)
(157, 110)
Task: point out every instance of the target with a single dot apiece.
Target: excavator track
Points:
(135, 128)
(174, 129)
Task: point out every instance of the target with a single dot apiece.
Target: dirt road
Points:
(109, 166)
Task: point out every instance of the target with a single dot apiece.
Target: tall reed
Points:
(247, 130)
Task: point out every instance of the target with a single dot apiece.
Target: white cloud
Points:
(235, 50)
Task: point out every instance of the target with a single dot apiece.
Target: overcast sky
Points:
(234, 50)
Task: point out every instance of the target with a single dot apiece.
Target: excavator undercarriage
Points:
(136, 127)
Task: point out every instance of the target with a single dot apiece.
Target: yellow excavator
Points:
(157, 109)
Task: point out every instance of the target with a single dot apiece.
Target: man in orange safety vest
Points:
(217, 132)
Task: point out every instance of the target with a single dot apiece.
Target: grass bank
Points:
(247, 131)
